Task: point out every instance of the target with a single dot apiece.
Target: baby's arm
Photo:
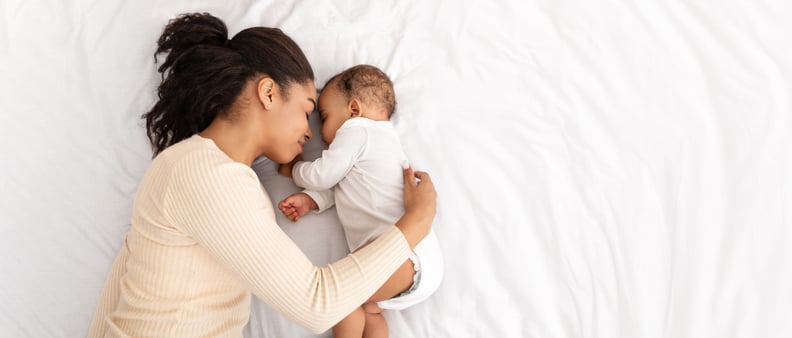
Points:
(335, 163)
(299, 204)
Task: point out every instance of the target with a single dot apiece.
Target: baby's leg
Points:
(376, 326)
(354, 324)
(400, 281)
(351, 326)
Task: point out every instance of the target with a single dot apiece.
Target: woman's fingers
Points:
(423, 177)
(409, 177)
(420, 203)
(418, 189)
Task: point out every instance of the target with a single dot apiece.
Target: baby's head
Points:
(360, 91)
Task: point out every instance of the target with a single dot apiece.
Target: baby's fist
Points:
(296, 206)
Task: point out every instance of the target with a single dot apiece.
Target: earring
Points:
(268, 106)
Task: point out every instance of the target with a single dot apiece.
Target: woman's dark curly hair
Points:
(204, 73)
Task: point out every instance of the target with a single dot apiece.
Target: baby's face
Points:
(334, 110)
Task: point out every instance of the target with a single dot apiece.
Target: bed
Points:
(604, 169)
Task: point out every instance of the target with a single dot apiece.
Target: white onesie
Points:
(361, 173)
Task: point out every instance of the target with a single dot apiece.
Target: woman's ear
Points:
(265, 89)
(354, 108)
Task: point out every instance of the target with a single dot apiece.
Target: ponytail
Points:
(204, 72)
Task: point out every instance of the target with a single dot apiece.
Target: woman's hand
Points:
(420, 206)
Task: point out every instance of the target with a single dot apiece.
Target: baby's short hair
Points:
(367, 83)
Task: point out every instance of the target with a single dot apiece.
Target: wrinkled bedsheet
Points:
(604, 169)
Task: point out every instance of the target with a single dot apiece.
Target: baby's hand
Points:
(297, 205)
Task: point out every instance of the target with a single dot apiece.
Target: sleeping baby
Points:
(361, 173)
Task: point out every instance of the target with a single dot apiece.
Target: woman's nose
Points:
(308, 133)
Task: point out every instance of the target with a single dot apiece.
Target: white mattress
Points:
(604, 169)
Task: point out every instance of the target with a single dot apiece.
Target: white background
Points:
(604, 168)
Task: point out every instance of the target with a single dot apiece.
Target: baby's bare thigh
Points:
(399, 282)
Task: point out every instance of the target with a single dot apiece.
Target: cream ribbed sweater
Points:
(204, 236)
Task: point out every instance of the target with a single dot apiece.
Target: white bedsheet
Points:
(604, 169)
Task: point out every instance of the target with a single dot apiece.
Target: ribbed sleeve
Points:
(110, 295)
(220, 205)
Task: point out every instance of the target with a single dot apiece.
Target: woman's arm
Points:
(223, 207)
(110, 294)
(420, 206)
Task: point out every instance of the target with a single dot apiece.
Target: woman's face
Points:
(287, 129)
(334, 110)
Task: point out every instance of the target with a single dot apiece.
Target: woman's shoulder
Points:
(191, 148)
(198, 160)
(195, 154)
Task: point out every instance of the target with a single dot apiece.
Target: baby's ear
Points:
(354, 108)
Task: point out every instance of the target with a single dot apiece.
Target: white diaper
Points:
(428, 261)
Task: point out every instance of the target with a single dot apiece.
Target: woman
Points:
(203, 232)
